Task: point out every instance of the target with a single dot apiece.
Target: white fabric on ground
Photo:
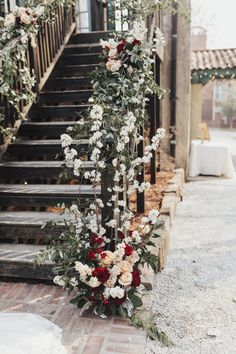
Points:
(24, 333)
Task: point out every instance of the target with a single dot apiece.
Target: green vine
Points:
(153, 332)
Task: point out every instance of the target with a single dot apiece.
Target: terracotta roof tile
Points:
(213, 59)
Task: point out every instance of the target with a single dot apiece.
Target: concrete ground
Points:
(195, 296)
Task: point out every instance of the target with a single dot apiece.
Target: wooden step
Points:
(45, 129)
(82, 48)
(31, 170)
(17, 261)
(27, 226)
(41, 148)
(74, 71)
(43, 195)
(79, 96)
(78, 59)
(76, 82)
(66, 112)
(89, 37)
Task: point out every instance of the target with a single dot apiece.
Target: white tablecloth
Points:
(210, 158)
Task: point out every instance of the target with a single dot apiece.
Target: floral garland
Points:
(102, 262)
(21, 24)
(134, 10)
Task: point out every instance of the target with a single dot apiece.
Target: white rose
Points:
(126, 279)
(134, 258)
(112, 52)
(108, 259)
(111, 281)
(125, 266)
(118, 256)
(113, 65)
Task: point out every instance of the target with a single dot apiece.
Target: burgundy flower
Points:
(121, 46)
(91, 255)
(131, 233)
(136, 42)
(96, 240)
(103, 255)
(105, 302)
(101, 273)
(121, 235)
(99, 250)
(128, 250)
(136, 278)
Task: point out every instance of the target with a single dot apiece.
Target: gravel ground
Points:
(195, 296)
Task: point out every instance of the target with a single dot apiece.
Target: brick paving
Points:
(81, 335)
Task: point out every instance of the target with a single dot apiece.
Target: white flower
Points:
(25, 18)
(113, 65)
(59, 280)
(139, 30)
(134, 258)
(126, 279)
(96, 112)
(153, 216)
(66, 140)
(130, 70)
(125, 266)
(117, 292)
(136, 236)
(94, 282)
(83, 270)
(112, 223)
(145, 220)
(9, 20)
(77, 165)
(112, 52)
(107, 258)
(73, 282)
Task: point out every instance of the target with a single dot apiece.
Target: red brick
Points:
(93, 345)
(131, 331)
(124, 350)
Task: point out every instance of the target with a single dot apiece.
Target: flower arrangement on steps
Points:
(101, 260)
(22, 24)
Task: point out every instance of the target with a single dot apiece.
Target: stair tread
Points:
(48, 142)
(40, 164)
(83, 45)
(45, 189)
(80, 55)
(64, 92)
(77, 66)
(19, 252)
(22, 218)
(69, 123)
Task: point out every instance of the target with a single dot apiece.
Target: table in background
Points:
(210, 158)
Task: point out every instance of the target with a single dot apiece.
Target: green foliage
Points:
(151, 329)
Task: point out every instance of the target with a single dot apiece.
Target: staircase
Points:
(29, 176)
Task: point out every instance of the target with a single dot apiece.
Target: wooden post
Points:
(141, 177)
